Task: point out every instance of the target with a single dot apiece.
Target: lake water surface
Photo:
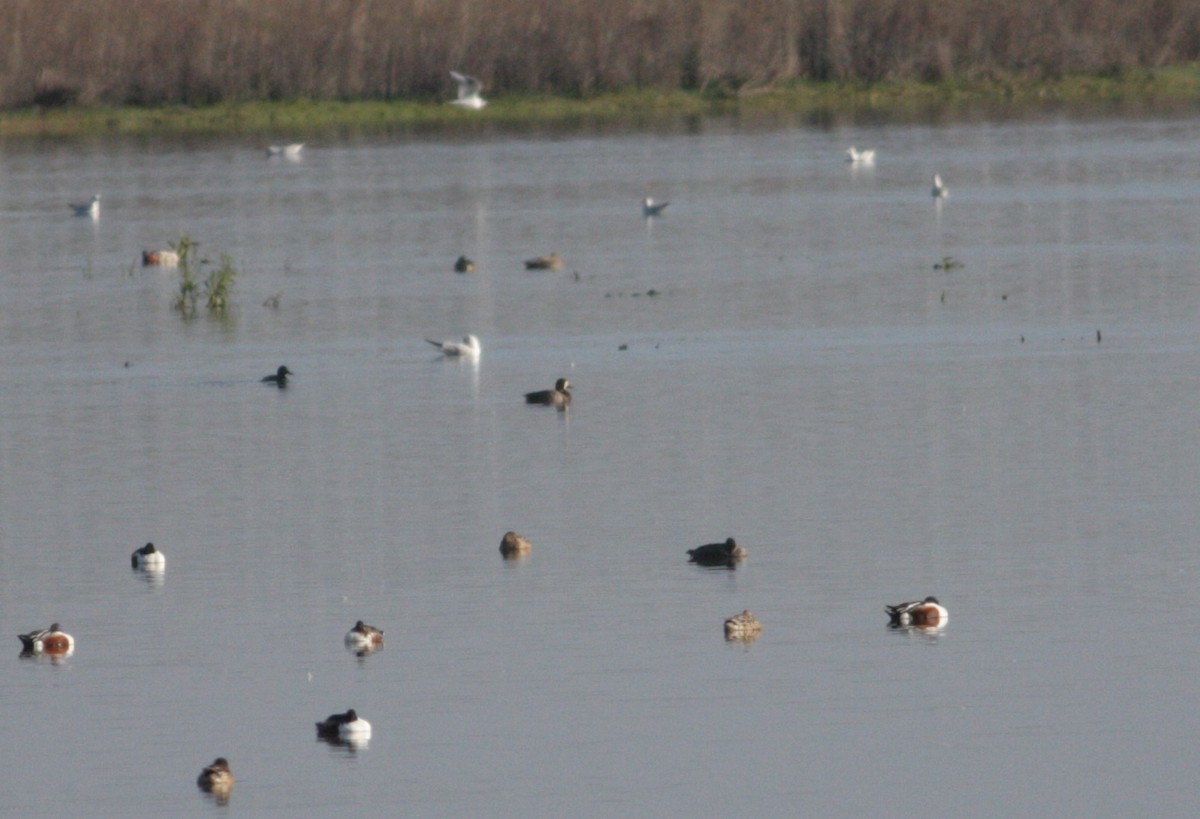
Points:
(1016, 436)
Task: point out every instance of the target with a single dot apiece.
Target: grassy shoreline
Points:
(1178, 85)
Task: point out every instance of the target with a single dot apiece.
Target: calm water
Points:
(872, 429)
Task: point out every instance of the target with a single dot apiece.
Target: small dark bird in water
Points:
(280, 378)
(718, 554)
(550, 262)
(558, 397)
(216, 778)
(463, 265)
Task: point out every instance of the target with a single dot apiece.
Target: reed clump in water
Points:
(56, 53)
(218, 284)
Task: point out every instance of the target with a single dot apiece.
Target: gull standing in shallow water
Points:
(863, 157)
(467, 348)
(939, 191)
(652, 208)
(468, 92)
(90, 210)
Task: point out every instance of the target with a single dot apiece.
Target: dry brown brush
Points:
(205, 51)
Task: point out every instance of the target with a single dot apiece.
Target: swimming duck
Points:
(513, 545)
(927, 612)
(718, 554)
(53, 641)
(744, 626)
(652, 208)
(468, 92)
(280, 378)
(363, 636)
(467, 348)
(463, 265)
(344, 726)
(557, 397)
(863, 157)
(551, 262)
(939, 191)
(216, 778)
(290, 151)
(89, 209)
(160, 258)
(148, 557)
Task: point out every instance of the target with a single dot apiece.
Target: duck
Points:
(514, 545)
(557, 397)
(551, 261)
(290, 151)
(53, 641)
(363, 636)
(718, 554)
(927, 612)
(344, 726)
(744, 626)
(216, 778)
(939, 191)
(463, 265)
(863, 157)
(280, 378)
(468, 92)
(160, 258)
(652, 208)
(467, 348)
(90, 209)
(148, 557)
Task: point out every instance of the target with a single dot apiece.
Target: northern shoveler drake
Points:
(160, 258)
(927, 612)
(468, 92)
(463, 265)
(863, 157)
(718, 554)
(550, 262)
(216, 778)
(513, 545)
(90, 209)
(742, 626)
(559, 397)
(467, 348)
(53, 641)
(344, 726)
(279, 379)
(290, 151)
(148, 557)
(652, 208)
(363, 636)
(939, 191)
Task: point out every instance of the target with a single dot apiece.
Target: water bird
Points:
(160, 258)
(216, 778)
(744, 626)
(863, 157)
(514, 545)
(468, 92)
(363, 636)
(718, 554)
(290, 151)
(467, 348)
(939, 191)
(53, 641)
(558, 397)
(927, 612)
(344, 726)
(464, 265)
(88, 209)
(148, 557)
(652, 208)
(280, 378)
(550, 262)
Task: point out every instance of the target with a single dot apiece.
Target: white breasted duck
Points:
(363, 636)
(927, 612)
(160, 258)
(52, 641)
(148, 557)
(559, 397)
(344, 726)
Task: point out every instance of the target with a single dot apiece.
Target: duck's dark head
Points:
(562, 384)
